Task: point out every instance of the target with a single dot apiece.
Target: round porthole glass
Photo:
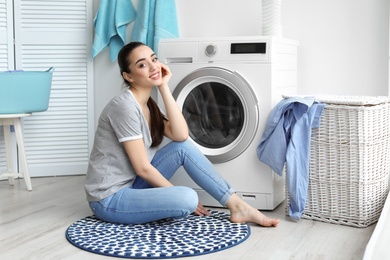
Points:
(214, 114)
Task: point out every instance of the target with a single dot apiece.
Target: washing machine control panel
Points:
(233, 51)
(238, 48)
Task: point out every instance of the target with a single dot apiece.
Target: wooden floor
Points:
(33, 225)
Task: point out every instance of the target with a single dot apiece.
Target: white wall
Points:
(344, 45)
(204, 18)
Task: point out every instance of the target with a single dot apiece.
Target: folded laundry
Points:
(286, 140)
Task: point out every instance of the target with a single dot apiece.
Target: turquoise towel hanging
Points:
(156, 20)
(110, 26)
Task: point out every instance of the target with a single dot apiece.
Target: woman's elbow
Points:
(182, 137)
(178, 136)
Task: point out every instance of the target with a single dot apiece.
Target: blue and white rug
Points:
(168, 238)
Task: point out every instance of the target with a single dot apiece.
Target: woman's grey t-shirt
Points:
(109, 167)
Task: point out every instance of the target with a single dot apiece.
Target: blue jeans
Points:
(141, 203)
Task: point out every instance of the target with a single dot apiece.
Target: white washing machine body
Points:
(226, 88)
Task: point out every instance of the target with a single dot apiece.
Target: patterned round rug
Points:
(167, 238)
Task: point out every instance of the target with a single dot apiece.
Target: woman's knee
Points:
(186, 144)
(187, 198)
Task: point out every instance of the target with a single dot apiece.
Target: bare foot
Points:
(254, 216)
(241, 212)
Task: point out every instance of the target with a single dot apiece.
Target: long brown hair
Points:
(157, 119)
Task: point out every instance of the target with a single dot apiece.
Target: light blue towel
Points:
(110, 26)
(156, 20)
(143, 28)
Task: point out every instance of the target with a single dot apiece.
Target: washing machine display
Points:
(226, 88)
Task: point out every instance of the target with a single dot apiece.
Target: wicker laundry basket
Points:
(349, 161)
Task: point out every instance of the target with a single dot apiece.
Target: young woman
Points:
(128, 178)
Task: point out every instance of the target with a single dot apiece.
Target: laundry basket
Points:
(349, 161)
(25, 91)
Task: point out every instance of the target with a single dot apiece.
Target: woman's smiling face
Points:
(145, 68)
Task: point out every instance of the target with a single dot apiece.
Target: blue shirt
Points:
(286, 139)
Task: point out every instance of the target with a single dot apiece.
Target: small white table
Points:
(8, 120)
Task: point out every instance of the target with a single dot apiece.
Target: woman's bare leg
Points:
(240, 212)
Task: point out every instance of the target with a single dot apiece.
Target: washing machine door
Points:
(221, 110)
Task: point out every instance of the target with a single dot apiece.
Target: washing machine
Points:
(226, 88)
